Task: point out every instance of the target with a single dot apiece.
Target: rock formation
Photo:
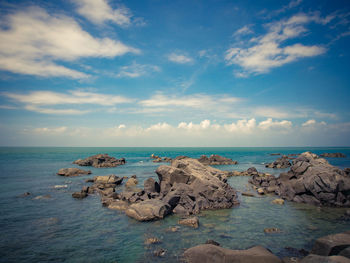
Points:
(100, 161)
(215, 159)
(280, 163)
(333, 155)
(72, 172)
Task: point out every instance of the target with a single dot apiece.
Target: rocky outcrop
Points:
(72, 172)
(100, 161)
(310, 180)
(185, 187)
(323, 259)
(280, 163)
(249, 172)
(158, 159)
(215, 159)
(267, 183)
(332, 244)
(208, 253)
(333, 155)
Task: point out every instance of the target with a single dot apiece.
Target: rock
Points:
(90, 180)
(100, 161)
(248, 194)
(118, 205)
(42, 197)
(25, 194)
(108, 179)
(345, 252)
(250, 172)
(214, 254)
(72, 172)
(148, 210)
(215, 159)
(332, 244)
(131, 182)
(151, 186)
(173, 229)
(310, 180)
(212, 242)
(280, 163)
(192, 222)
(152, 240)
(273, 154)
(159, 252)
(272, 230)
(79, 195)
(333, 155)
(324, 259)
(278, 201)
(260, 191)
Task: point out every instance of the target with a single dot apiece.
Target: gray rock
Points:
(192, 222)
(148, 210)
(79, 195)
(214, 254)
(332, 244)
(100, 160)
(151, 186)
(280, 163)
(215, 159)
(324, 259)
(333, 155)
(72, 172)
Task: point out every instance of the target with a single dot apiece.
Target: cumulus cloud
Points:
(270, 124)
(267, 51)
(179, 58)
(312, 123)
(99, 12)
(136, 70)
(33, 42)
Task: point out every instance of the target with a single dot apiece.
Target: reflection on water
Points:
(64, 229)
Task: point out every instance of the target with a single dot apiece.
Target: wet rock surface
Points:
(333, 155)
(72, 172)
(310, 180)
(100, 161)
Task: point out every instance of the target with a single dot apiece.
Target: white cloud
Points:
(179, 58)
(245, 30)
(159, 127)
(266, 52)
(99, 12)
(245, 126)
(313, 123)
(270, 124)
(136, 70)
(57, 130)
(122, 126)
(203, 125)
(33, 42)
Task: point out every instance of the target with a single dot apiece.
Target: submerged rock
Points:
(192, 222)
(152, 240)
(100, 161)
(215, 159)
(208, 253)
(310, 180)
(72, 172)
(280, 163)
(333, 155)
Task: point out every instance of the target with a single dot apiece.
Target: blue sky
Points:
(174, 73)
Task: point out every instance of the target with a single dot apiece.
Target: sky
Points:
(175, 73)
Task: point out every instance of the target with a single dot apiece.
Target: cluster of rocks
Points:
(311, 180)
(333, 155)
(185, 187)
(333, 249)
(215, 159)
(158, 159)
(249, 172)
(100, 161)
(105, 185)
(69, 172)
(264, 183)
(280, 163)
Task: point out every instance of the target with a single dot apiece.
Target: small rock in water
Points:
(40, 197)
(25, 194)
(79, 195)
(272, 230)
(131, 182)
(152, 240)
(173, 229)
(159, 252)
(192, 222)
(212, 242)
(261, 191)
(278, 201)
(248, 194)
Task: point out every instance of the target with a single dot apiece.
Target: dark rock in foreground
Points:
(333, 155)
(310, 180)
(185, 187)
(280, 163)
(332, 244)
(72, 172)
(208, 253)
(100, 161)
(215, 159)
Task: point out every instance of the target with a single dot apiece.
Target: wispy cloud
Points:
(136, 70)
(267, 51)
(99, 12)
(245, 30)
(33, 42)
(179, 58)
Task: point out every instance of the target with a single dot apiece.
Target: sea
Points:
(50, 226)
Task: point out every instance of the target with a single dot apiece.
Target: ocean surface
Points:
(59, 228)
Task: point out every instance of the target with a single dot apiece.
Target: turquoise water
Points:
(65, 229)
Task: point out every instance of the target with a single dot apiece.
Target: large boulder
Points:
(215, 159)
(280, 163)
(332, 244)
(100, 161)
(214, 254)
(311, 180)
(324, 259)
(148, 210)
(72, 172)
